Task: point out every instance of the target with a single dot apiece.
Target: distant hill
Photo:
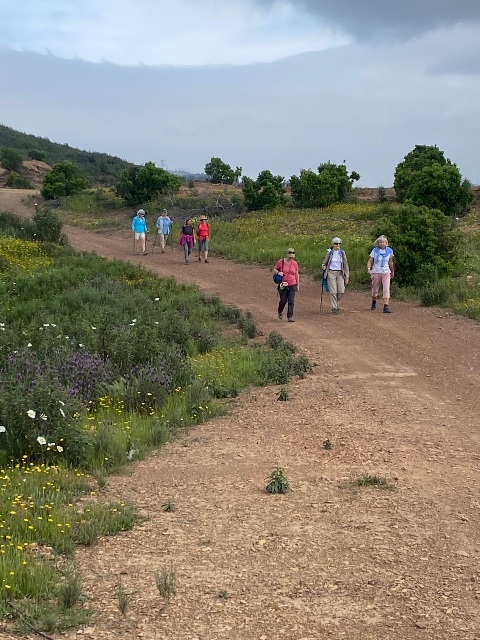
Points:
(100, 168)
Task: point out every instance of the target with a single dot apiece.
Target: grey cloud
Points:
(404, 18)
(366, 105)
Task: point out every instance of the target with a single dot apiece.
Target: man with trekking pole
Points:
(139, 228)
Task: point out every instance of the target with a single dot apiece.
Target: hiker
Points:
(203, 237)
(336, 271)
(288, 269)
(381, 270)
(163, 228)
(186, 239)
(139, 227)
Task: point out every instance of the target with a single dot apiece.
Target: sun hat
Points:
(203, 217)
(291, 250)
(140, 212)
(336, 240)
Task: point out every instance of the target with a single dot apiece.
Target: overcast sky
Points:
(264, 84)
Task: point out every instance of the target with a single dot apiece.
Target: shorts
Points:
(203, 244)
(139, 235)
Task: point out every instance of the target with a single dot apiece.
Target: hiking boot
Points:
(280, 316)
(291, 320)
(373, 306)
(206, 261)
(145, 253)
(386, 309)
(199, 259)
(335, 312)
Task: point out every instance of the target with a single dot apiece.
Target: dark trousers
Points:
(287, 295)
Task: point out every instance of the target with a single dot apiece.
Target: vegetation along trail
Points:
(395, 396)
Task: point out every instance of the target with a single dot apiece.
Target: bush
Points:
(17, 181)
(10, 159)
(48, 227)
(65, 179)
(331, 184)
(419, 237)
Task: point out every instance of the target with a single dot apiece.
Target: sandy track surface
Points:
(396, 395)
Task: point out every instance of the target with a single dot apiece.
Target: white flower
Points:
(67, 337)
(2, 324)
(94, 327)
(41, 440)
(80, 344)
(43, 416)
(53, 325)
(29, 344)
(157, 299)
(134, 320)
(31, 413)
(59, 448)
(46, 325)
(62, 403)
(51, 444)
(62, 412)
(2, 428)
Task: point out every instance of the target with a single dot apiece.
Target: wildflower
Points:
(62, 412)
(46, 325)
(43, 416)
(94, 327)
(41, 440)
(59, 448)
(157, 299)
(51, 444)
(2, 428)
(31, 413)
(29, 344)
(62, 403)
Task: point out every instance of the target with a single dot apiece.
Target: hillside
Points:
(100, 168)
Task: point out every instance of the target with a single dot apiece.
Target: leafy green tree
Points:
(141, 184)
(65, 179)
(11, 159)
(35, 154)
(331, 184)
(266, 192)
(427, 178)
(221, 173)
(419, 237)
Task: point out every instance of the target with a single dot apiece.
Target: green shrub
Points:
(277, 481)
(17, 181)
(48, 226)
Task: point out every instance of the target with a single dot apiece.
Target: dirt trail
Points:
(397, 396)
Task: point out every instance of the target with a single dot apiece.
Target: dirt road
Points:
(396, 395)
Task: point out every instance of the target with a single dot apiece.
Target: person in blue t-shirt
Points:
(164, 224)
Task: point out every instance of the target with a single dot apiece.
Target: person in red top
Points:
(203, 237)
(288, 269)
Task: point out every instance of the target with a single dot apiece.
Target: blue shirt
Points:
(139, 224)
(163, 224)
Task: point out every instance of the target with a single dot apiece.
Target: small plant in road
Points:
(327, 444)
(166, 580)
(282, 394)
(277, 481)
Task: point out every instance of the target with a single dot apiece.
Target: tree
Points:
(65, 179)
(35, 154)
(419, 237)
(426, 177)
(221, 173)
(141, 184)
(331, 184)
(11, 159)
(266, 192)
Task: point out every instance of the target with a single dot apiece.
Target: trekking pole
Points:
(321, 299)
(134, 243)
